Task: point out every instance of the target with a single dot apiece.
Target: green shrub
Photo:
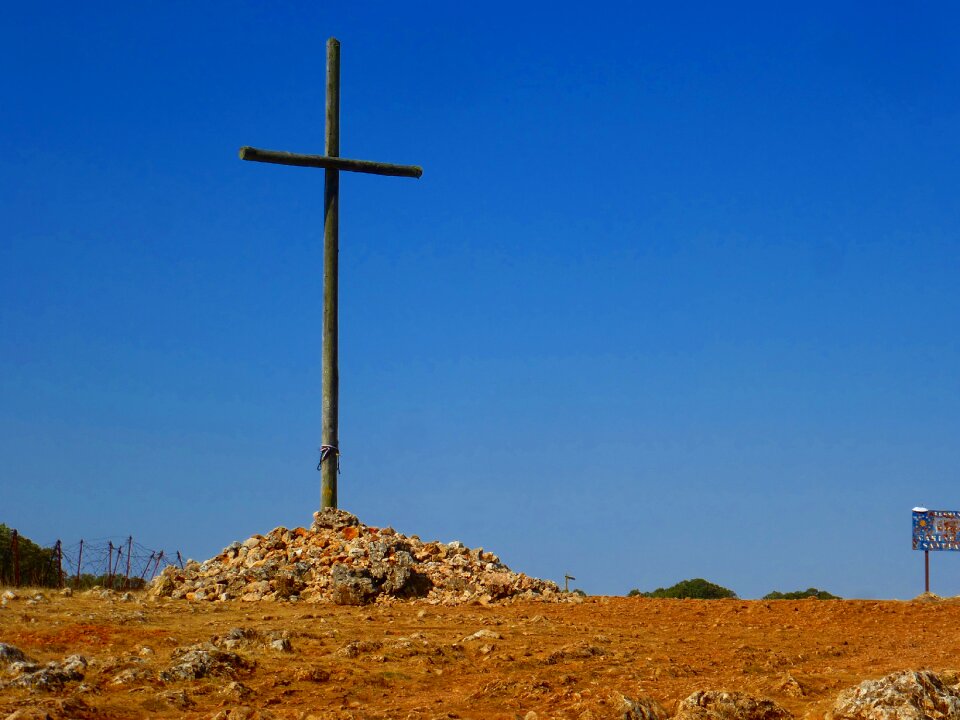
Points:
(112, 582)
(802, 595)
(697, 588)
(38, 565)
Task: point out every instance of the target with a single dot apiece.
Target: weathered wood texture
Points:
(330, 434)
(279, 157)
(332, 164)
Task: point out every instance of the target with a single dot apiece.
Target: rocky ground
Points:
(347, 621)
(110, 655)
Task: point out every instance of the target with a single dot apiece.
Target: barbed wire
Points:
(110, 561)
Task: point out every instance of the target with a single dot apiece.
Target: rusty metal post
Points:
(116, 568)
(59, 547)
(926, 570)
(143, 575)
(15, 547)
(126, 582)
(79, 563)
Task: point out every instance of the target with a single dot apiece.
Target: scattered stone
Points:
(237, 637)
(340, 560)
(130, 676)
(483, 635)
(357, 648)
(52, 676)
(278, 640)
(9, 595)
(176, 698)
(719, 705)
(10, 654)
(67, 592)
(243, 712)
(311, 675)
(281, 645)
(197, 661)
(905, 695)
(791, 686)
(642, 708)
(236, 691)
(576, 651)
(29, 714)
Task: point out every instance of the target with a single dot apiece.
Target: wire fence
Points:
(116, 563)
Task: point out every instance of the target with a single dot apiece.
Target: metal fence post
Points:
(59, 547)
(15, 547)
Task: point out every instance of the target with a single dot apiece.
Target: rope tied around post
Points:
(325, 452)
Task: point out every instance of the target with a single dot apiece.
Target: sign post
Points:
(934, 530)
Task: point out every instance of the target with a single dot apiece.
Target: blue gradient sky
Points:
(675, 297)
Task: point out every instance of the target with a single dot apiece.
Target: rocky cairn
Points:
(340, 560)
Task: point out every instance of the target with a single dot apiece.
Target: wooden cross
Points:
(332, 163)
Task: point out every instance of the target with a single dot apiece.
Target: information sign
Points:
(936, 529)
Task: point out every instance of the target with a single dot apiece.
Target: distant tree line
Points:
(114, 582)
(802, 595)
(38, 565)
(700, 589)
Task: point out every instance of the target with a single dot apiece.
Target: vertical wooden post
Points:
(79, 563)
(59, 565)
(109, 563)
(926, 570)
(15, 547)
(180, 559)
(331, 238)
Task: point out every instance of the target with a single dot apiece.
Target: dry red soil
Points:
(558, 660)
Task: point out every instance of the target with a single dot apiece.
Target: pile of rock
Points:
(342, 561)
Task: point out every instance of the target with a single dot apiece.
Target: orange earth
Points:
(411, 660)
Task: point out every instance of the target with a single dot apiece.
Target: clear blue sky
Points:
(676, 296)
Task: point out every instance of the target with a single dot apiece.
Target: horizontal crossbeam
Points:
(279, 157)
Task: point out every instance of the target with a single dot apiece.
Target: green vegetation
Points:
(113, 582)
(38, 565)
(802, 595)
(697, 588)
